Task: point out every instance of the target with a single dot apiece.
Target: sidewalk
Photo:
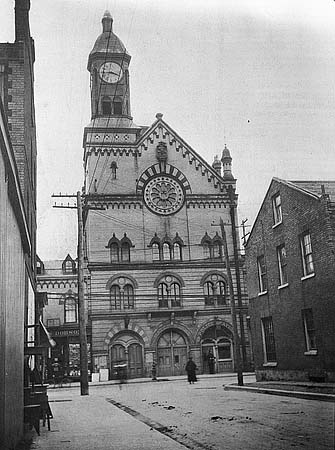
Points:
(90, 422)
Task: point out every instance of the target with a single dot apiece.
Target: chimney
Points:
(22, 31)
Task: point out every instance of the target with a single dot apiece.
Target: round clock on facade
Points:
(163, 195)
(110, 72)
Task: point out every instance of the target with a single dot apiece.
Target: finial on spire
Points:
(107, 22)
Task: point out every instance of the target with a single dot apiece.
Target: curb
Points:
(297, 394)
(76, 384)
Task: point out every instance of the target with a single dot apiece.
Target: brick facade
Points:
(305, 210)
(151, 247)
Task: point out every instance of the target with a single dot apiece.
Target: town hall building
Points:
(157, 279)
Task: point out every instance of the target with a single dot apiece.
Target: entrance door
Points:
(172, 354)
(118, 357)
(135, 362)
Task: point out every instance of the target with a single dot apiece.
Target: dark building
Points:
(290, 258)
(158, 288)
(58, 280)
(19, 306)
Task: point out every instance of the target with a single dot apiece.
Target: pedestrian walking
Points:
(154, 371)
(121, 373)
(190, 369)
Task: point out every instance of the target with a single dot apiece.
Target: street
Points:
(177, 415)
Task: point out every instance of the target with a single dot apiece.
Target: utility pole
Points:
(237, 343)
(81, 299)
(81, 303)
(232, 210)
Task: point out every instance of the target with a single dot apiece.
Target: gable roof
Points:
(161, 128)
(314, 189)
(318, 188)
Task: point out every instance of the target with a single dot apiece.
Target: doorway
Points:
(171, 353)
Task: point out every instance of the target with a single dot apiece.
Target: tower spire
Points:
(107, 22)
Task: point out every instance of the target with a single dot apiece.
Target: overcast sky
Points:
(258, 75)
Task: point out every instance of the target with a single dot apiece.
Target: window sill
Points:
(270, 364)
(277, 224)
(311, 353)
(311, 275)
(282, 286)
(262, 293)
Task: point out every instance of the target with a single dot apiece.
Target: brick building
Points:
(58, 280)
(290, 263)
(18, 302)
(158, 285)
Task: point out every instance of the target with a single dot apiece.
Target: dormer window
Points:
(69, 265)
(106, 106)
(39, 266)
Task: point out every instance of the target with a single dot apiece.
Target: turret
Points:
(226, 162)
(217, 165)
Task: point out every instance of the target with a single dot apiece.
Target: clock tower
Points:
(157, 286)
(108, 64)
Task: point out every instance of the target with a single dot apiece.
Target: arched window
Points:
(217, 250)
(163, 294)
(155, 252)
(106, 106)
(128, 297)
(70, 310)
(209, 293)
(114, 251)
(221, 292)
(115, 295)
(69, 265)
(166, 252)
(206, 250)
(177, 251)
(125, 252)
(117, 106)
(175, 295)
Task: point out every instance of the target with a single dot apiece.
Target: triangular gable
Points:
(289, 184)
(160, 129)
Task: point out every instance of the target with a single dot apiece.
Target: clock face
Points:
(163, 195)
(110, 72)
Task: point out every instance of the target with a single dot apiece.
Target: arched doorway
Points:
(218, 342)
(126, 349)
(171, 353)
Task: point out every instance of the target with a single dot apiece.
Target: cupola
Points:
(226, 162)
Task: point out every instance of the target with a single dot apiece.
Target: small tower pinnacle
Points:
(226, 162)
(107, 22)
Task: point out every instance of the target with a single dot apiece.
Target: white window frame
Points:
(276, 209)
(306, 253)
(261, 275)
(267, 362)
(310, 348)
(282, 268)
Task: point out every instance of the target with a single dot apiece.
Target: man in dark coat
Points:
(190, 369)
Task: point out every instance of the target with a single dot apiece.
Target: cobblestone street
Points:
(176, 415)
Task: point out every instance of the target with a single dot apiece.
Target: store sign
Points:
(66, 332)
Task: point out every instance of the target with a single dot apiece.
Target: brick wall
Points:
(300, 212)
